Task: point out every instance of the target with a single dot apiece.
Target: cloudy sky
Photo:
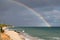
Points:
(40, 3)
(13, 12)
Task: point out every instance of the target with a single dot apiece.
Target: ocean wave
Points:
(56, 38)
(29, 37)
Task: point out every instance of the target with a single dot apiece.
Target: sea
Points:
(45, 33)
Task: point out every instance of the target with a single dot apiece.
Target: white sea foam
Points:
(56, 38)
(29, 37)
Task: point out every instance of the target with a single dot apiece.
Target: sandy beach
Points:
(4, 36)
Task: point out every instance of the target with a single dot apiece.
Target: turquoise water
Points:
(42, 32)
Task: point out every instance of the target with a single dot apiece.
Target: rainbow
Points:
(37, 14)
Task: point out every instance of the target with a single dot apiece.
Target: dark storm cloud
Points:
(40, 3)
(11, 13)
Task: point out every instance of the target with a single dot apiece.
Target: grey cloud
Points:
(15, 14)
(40, 3)
(51, 16)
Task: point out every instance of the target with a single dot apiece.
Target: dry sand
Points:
(10, 36)
(14, 35)
(4, 36)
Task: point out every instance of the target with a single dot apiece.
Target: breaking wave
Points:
(56, 38)
(53, 38)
